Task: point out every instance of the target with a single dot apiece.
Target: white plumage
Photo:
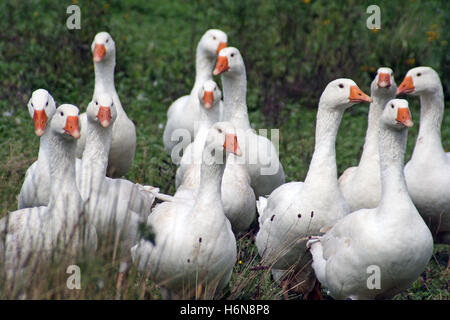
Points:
(391, 239)
(194, 244)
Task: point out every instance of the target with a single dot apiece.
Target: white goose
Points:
(123, 145)
(260, 156)
(35, 189)
(209, 96)
(361, 185)
(428, 171)
(36, 232)
(109, 203)
(391, 239)
(238, 197)
(297, 210)
(185, 111)
(195, 247)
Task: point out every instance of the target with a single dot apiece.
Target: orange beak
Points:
(40, 121)
(99, 52)
(72, 128)
(221, 65)
(356, 95)
(221, 46)
(104, 116)
(208, 99)
(404, 117)
(231, 144)
(407, 86)
(384, 80)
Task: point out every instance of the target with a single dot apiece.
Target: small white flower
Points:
(160, 125)
(100, 284)
(7, 114)
(140, 96)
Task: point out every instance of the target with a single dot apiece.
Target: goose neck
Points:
(104, 76)
(104, 82)
(370, 149)
(95, 155)
(208, 116)
(209, 192)
(392, 145)
(431, 114)
(234, 97)
(44, 146)
(323, 162)
(64, 194)
(203, 70)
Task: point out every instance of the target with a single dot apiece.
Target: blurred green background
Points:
(292, 49)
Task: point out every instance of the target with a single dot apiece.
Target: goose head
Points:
(221, 141)
(384, 83)
(342, 93)
(396, 114)
(230, 61)
(102, 110)
(213, 41)
(209, 94)
(420, 80)
(41, 107)
(65, 122)
(103, 47)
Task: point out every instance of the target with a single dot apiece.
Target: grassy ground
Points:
(291, 49)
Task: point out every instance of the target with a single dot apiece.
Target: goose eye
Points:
(32, 105)
(214, 38)
(46, 104)
(341, 85)
(62, 114)
(419, 74)
(220, 130)
(232, 55)
(392, 106)
(96, 103)
(107, 40)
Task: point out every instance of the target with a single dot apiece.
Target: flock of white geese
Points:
(325, 230)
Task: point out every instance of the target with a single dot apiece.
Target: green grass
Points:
(291, 50)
